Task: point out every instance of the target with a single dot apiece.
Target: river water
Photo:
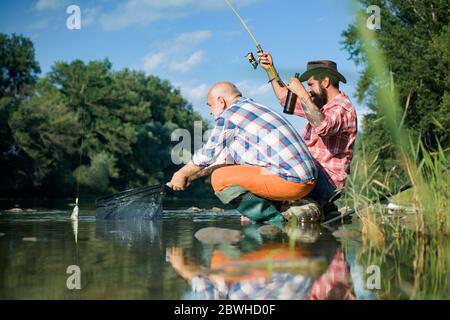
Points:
(154, 259)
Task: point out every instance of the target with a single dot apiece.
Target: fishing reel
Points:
(251, 57)
(252, 60)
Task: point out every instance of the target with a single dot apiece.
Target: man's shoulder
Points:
(343, 102)
(245, 107)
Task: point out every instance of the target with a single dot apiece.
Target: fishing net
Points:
(138, 203)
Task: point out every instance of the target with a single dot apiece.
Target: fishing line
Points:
(74, 214)
(273, 74)
(243, 23)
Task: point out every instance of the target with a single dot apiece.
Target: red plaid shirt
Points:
(331, 144)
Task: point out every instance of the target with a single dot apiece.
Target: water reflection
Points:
(144, 259)
(312, 266)
(140, 231)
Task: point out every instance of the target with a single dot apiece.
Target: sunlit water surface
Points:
(129, 259)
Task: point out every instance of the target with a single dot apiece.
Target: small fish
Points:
(31, 239)
(74, 215)
(75, 229)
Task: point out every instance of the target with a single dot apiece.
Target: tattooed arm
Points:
(312, 112)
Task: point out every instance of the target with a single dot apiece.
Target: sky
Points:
(191, 43)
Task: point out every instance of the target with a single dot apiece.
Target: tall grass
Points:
(426, 172)
(414, 262)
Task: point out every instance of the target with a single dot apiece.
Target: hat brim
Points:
(307, 74)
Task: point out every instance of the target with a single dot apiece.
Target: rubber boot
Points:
(251, 206)
(258, 209)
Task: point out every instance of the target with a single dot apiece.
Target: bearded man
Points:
(331, 130)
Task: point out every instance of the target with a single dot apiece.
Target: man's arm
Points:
(326, 123)
(205, 171)
(265, 61)
(281, 91)
(183, 177)
(190, 172)
(185, 269)
(312, 112)
(203, 160)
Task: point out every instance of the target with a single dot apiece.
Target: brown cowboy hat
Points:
(314, 67)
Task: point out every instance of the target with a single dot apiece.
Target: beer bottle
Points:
(291, 100)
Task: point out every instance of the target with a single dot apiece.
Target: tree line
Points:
(109, 130)
(415, 38)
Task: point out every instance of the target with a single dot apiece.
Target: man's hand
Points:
(179, 181)
(297, 87)
(186, 269)
(175, 255)
(183, 177)
(265, 60)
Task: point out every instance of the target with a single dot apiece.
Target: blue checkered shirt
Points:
(253, 134)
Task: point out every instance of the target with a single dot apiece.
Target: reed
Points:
(414, 259)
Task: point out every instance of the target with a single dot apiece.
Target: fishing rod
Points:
(273, 74)
(291, 98)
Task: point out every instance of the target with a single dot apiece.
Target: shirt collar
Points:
(240, 101)
(331, 103)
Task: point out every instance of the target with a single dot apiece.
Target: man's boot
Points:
(304, 210)
(251, 206)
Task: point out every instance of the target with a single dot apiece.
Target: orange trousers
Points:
(229, 267)
(259, 181)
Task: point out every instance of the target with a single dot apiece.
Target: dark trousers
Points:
(324, 189)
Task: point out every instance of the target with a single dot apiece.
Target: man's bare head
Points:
(222, 95)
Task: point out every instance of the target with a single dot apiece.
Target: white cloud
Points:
(252, 90)
(145, 12)
(153, 61)
(89, 15)
(49, 4)
(178, 54)
(195, 59)
(40, 24)
(195, 94)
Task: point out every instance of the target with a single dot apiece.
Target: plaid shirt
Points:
(334, 284)
(331, 144)
(252, 134)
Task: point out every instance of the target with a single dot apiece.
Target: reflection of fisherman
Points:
(270, 161)
(225, 282)
(332, 125)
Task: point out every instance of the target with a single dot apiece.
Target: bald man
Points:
(267, 160)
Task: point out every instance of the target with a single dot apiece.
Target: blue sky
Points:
(192, 43)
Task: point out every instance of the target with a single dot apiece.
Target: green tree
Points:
(415, 37)
(109, 130)
(118, 122)
(18, 73)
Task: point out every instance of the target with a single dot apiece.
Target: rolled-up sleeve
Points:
(334, 122)
(221, 137)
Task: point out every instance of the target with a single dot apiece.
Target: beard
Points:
(320, 99)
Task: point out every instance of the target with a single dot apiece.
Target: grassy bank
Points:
(410, 245)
